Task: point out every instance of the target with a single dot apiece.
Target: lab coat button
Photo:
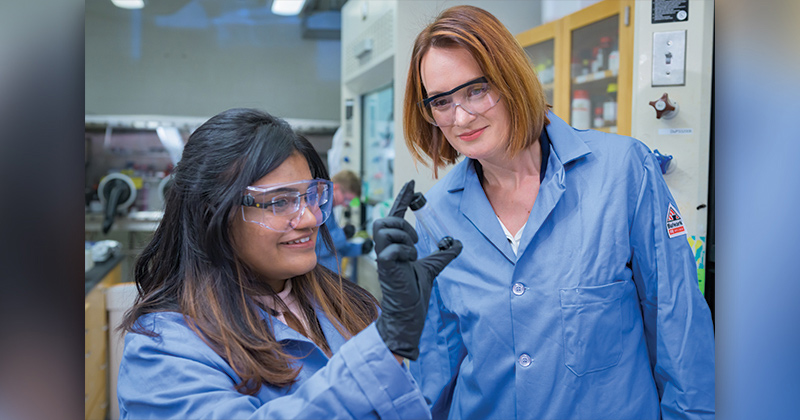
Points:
(525, 360)
(518, 289)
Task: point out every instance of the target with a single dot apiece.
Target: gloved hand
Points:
(366, 246)
(405, 281)
(349, 230)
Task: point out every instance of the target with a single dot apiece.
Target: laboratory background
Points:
(336, 71)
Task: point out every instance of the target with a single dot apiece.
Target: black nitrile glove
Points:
(366, 247)
(405, 281)
(349, 230)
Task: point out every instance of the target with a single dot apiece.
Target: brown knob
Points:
(664, 107)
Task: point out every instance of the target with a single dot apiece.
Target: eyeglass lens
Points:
(474, 98)
(281, 209)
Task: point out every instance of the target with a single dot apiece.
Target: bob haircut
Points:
(191, 266)
(503, 62)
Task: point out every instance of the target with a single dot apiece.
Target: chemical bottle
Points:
(603, 53)
(585, 61)
(581, 106)
(597, 60)
(598, 117)
(610, 105)
(545, 71)
(433, 227)
(613, 58)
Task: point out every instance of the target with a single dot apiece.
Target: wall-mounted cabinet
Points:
(541, 44)
(585, 63)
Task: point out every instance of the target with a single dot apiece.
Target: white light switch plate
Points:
(669, 58)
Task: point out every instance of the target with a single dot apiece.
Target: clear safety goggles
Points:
(280, 207)
(474, 97)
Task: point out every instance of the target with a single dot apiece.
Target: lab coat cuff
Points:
(387, 384)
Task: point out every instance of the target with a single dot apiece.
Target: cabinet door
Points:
(542, 45)
(96, 347)
(95, 356)
(600, 45)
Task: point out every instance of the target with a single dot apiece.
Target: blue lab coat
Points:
(597, 316)
(344, 248)
(178, 376)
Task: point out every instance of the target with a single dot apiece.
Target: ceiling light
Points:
(128, 4)
(287, 7)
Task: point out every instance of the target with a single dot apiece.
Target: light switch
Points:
(669, 58)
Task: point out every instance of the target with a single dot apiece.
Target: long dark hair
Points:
(190, 266)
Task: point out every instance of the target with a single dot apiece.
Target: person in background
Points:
(346, 187)
(576, 296)
(234, 317)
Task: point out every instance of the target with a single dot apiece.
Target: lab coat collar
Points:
(283, 332)
(566, 147)
(334, 338)
(476, 208)
(280, 330)
(564, 143)
(564, 140)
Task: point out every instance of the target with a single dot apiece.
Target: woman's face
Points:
(478, 136)
(278, 256)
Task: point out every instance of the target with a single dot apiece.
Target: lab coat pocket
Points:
(592, 327)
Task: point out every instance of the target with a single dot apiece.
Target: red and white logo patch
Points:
(674, 222)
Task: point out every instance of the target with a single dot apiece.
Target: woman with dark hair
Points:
(235, 318)
(576, 296)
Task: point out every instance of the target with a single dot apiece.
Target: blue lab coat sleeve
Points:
(677, 321)
(176, 375)
(441, 348)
